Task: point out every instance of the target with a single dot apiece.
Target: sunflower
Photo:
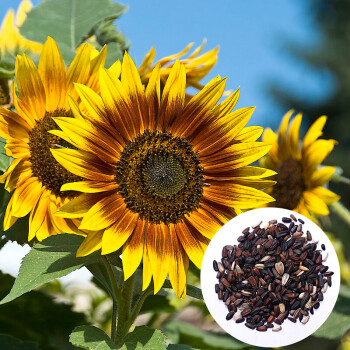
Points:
(34, 175)
(160, 176)
(10, 38)
(300, 178)
(197, 67)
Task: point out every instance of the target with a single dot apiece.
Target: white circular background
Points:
(290, 332)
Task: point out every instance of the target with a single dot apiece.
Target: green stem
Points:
(341, 211)
(116, 297)
(124, 310)
(139, 304)
(114, 321)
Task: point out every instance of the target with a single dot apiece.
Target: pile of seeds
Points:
(274, 273)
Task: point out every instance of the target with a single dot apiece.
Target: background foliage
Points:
(43, 318)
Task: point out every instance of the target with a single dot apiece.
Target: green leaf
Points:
(339, 320)
(18, 232)
(145, 338)
(157, 304)
(180, 332)
(192, 291)
(11, 343)
(69, 22)
(5, 160)
(52, 258)
(38, 318)
(91, 338)
(179, 347)
(335, 326)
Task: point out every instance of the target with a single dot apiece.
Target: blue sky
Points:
(252, 36)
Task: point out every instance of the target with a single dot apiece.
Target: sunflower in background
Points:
(197, 67)
(159, 177)
(34, 176)
(301, 180)
(10, 37)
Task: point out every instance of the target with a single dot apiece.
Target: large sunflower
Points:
(160, 176)
(196, 66)
(10, 37)
(300, 178)
(34, 175)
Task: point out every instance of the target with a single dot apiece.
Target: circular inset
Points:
(290, 332)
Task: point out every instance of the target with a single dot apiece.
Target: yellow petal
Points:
(147, 61)
(53, 75)
(26, 196)
(315, 204)
(131, 81)
(227, 105)
(314, 132)
(233, 157)
(79, 70)
(13, 126)
(9, 219)
(79, 206)
(117, 234)
(223, 132)
(326, 195)
(103, 213)
(321, 176)
(250, 134)
(146, 270)
(30, 86)
(178, 266)
(158, 246)
(90, 244)
(133, 249)
(193, 243)
(283, 128)
(153, 97)
(117, 103)
(82, 164)
(196, 112)
(89, 186)
(38, 214)
(316, 153)
(173, 96)
(294, 135)
(237, 196)
(205, 222)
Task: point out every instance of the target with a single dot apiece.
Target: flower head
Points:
(300, 179)
(10, 37)
(196, 66)
(159, 177)
(34, 175)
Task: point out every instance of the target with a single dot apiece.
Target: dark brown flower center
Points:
(290, 184)
(44, 166)
(4, 92)
(160, 177)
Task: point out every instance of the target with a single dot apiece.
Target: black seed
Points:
(286, 220)
(230, 315)
(215, 265)
(323, 247)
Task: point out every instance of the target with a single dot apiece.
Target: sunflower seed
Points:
(276, 328)
(282, 308)
(324, 288)
(279, 267)
(285, 279)
(256, 225)
(305, 319)
(260, 266)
